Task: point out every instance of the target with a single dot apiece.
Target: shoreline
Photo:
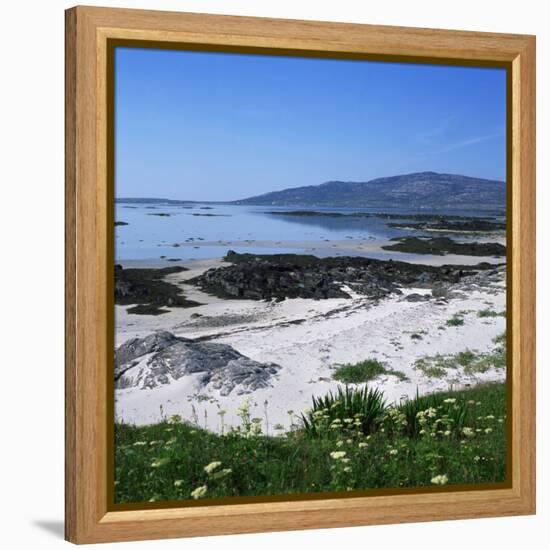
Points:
(368, 248)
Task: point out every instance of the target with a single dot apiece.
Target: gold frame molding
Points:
(91, 34)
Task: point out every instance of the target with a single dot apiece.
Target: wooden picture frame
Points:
(89, 516)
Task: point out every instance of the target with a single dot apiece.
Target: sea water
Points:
(249, 228)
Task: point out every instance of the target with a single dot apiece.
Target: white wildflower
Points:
(199, 492)
(159, 462)
(337, 455)
(209, 468)
(468, 432)
(441, 479)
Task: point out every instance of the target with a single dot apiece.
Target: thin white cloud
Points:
(468, 142)
(429, 136)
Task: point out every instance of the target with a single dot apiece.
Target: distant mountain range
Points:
(422, 189)
(419, 190)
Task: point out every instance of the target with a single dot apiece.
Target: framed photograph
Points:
(300, 274)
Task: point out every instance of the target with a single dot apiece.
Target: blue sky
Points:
(210, 126)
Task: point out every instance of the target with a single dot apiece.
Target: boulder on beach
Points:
(162, 358)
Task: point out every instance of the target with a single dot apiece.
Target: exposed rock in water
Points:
(162, 357)
(444, 245)
(146, 289)
(280, 276)
(212, 215)
(384, 215)
(473, 225)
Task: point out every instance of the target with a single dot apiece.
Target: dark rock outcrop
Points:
(280, 276)
(436, 218)
(473, 225)
(146, 287)
(444, 245)
(219, 366)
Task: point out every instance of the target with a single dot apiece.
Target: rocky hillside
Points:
(423, 189)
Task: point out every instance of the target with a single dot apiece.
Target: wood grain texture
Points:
(70, 274)
(524, 264)
(88, 230)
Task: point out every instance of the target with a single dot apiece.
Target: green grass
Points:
(455, 321)
(487, 313)
(364, 371)
(460, 435)
(431, 371)
(359, 409)
(471, 362)
(491, 313)
(465, 358)
(435, 366)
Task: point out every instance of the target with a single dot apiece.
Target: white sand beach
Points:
(308, 338)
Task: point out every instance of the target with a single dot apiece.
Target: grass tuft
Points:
(471, 362)
(455, 321)
(487, 313)
(364, 371)
(363, 407)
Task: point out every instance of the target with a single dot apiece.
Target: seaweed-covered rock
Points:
(280, 276)
(473, 225)
(444, 245)
(148, 289)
